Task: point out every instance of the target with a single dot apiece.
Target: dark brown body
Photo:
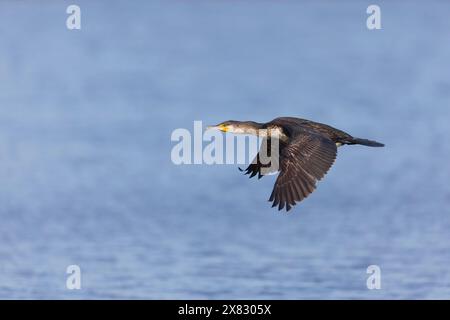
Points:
(291, 126)
(307, 150)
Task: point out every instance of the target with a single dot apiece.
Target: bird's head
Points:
(233, 126)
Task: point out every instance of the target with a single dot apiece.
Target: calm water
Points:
(85, 170)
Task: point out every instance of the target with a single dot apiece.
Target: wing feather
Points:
(303, 162)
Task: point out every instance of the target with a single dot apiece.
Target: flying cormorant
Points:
(306, 151)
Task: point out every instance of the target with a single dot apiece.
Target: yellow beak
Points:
(221, 127)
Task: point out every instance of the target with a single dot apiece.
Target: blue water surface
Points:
(86, 176)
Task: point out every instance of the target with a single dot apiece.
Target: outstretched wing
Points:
(304, 161)
(264, 163)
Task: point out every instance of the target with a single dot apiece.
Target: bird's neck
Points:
(259, 129)
(251, 128)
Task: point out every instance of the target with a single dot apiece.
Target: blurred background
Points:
(86, 176)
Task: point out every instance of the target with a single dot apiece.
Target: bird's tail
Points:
(365, 142)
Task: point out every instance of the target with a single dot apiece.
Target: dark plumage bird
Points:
(301, 150)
